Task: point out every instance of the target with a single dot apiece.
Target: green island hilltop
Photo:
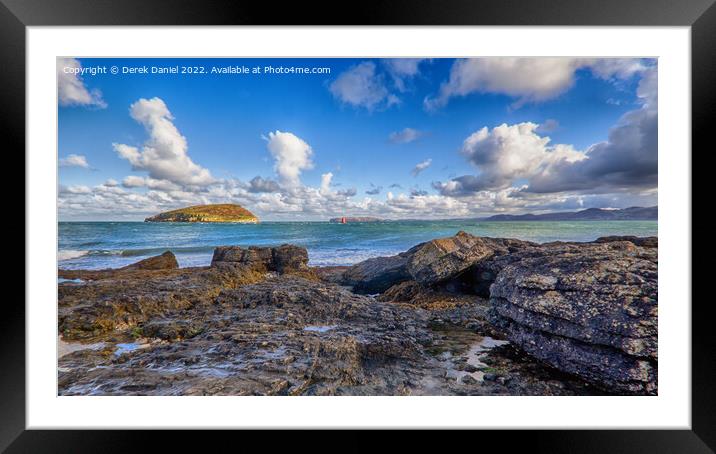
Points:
(225, 212)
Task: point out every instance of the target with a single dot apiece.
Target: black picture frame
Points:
(700, 15)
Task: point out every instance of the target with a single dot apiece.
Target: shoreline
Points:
(260, 320)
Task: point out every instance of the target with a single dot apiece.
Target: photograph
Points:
(373, 226)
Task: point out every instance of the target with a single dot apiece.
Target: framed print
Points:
(235, 220)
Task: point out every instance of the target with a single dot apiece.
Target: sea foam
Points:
(69, 254)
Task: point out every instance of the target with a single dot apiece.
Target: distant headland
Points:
(226, 212)
(590, 214)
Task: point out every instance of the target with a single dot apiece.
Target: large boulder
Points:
(460, 262)
(588, 309)
(165, 261)
(286, 258)
(445, 258)
(377, 274)
(646, 241)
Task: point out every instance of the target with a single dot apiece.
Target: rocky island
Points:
(462, 315)
(207, 213)
(353, 219)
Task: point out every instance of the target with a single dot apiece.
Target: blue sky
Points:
(408, 138)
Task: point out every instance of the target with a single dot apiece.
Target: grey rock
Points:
(282, 259)
(452, 262)
(165, 261)
(377, 274)
(586, 309)
(444, 258)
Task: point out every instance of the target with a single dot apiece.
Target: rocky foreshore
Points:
(463, 315)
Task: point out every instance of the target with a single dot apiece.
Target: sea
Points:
(99, 245)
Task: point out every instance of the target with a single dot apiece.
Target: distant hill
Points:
(346, 220)
(590, 214)
(226, 212)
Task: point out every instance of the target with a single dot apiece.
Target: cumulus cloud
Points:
(374, 190)
(362, 86)
(74, 189)
(406, 135)
(71, 89)
(420, 167)
(429, 206)
(326, 182)
(134, 181)
(74, 160)
(165, 153)
(627, 159)
(258, 185)
(402, 69)
(404, 66)
(505, 154)
(547, 126)
(529, 79)
(509, 154)
(292, 155)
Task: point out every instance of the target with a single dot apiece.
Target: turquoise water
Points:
(96, 245)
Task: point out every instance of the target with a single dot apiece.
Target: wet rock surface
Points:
(590, 310)
(464, 262)
(260, 321)
(377, 274)
(445, 258)
(166, 261)
(282, 259)
(648, 241)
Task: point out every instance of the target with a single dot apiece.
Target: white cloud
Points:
(374, 190)
(165, 153)
(615, 68)
(432, 206)
(326, 182)
(511, 154)
(530, 79)
(74, 189)
(74, 160)
(627, 159)
(133, 181)
(258, 185)
(404, 66)
(292, 155)
(71, 90)
(406, 135)
(547, 126)
(420, 167)
(362, 86)
(505, 154)
(402, 69)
